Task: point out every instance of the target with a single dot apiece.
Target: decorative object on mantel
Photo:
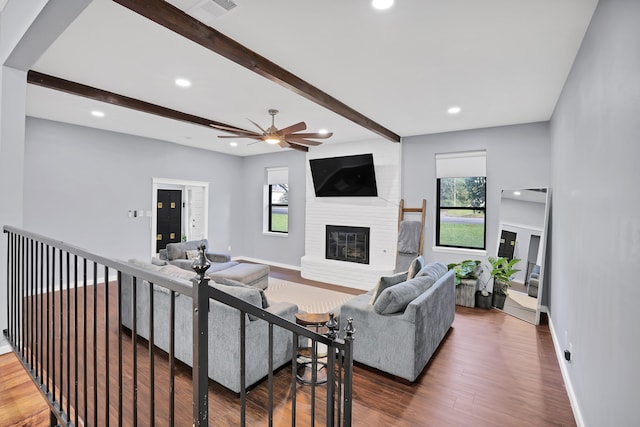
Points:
(285, 138)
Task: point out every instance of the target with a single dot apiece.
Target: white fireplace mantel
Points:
(380, 214)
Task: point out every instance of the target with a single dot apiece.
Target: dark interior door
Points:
(169, 218)
(507, 244)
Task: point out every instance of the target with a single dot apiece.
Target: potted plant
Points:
(502, 271)
(482, 295)
(466, 281)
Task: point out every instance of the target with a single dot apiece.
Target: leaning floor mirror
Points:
(523, 234)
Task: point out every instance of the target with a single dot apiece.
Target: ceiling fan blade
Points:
(252, 136)
(302, 141)
(299, 147)
(311, 135)
(258, 126)
(293, 128)
(284, 144)
(230, 129)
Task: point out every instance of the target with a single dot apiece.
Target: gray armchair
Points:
(534, 281)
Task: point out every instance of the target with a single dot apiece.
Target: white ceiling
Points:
(502, 61)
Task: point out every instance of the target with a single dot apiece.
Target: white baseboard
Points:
(5, 347)
(573, 400)
(262, 261)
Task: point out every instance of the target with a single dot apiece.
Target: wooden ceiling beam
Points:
(174, 19)
(79, 89)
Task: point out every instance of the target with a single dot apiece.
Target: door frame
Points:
(175, 184)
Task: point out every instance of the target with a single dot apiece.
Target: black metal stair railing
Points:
(65, 326)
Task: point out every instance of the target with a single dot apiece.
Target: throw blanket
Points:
(409, 237)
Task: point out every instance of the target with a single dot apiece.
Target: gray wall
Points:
(80, 183)
(255, 244)
(595, 134)
(517, 157)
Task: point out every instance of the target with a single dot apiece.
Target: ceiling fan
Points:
(285, 137)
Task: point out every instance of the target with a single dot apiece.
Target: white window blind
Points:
(457, 165)
(277, 176)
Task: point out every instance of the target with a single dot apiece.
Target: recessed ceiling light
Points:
(381, 4)
(454, 110)
(183, 82)
(323, 131)
(96, 113)
(516, 193)
(233, 144)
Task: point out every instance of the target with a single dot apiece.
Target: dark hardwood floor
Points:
(490, 370)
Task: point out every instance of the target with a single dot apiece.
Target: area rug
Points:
(524, 300)
(308, 298)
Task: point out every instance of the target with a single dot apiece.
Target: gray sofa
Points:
(182, 255)
(401, 322)
(224, 327)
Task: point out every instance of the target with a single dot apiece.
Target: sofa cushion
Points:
(159, 261)
(179, 250)
(247, 294)
(434, 270)
(177, 272)
(192, 253)
(220, 266)
(416, 265)
(231, 282)
(395, 299)
(386, 281)
(144, 265)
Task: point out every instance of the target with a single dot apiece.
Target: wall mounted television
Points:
(345, 176)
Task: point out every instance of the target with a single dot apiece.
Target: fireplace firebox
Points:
(349, 244)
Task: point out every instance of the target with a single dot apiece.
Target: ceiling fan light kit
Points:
(285, 137)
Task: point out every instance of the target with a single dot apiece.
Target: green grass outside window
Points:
(280, 223)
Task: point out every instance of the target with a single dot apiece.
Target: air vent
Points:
(208, 10)
(225, 4)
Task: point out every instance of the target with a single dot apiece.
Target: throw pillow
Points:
(434, 270)
(192, 254)
(231, 282)
(416, 265)
(396, 298)
(386, 281)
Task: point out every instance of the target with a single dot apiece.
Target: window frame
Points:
(270, 207)
(439, 209)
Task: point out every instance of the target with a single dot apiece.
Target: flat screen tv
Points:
(345, 176)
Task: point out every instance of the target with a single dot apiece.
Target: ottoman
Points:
(256, 275)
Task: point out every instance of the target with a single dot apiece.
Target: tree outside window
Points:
(460, 221)
(279, 208)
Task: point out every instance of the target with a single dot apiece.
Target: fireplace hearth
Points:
(350, 244)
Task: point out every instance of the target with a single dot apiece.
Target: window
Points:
(461, 202)
(278, 200)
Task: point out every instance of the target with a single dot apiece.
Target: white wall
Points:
(80, 184)
(595, 293)
(380, 214)
(517, 157)
(26, 29)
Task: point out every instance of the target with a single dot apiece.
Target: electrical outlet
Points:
(229, 248)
